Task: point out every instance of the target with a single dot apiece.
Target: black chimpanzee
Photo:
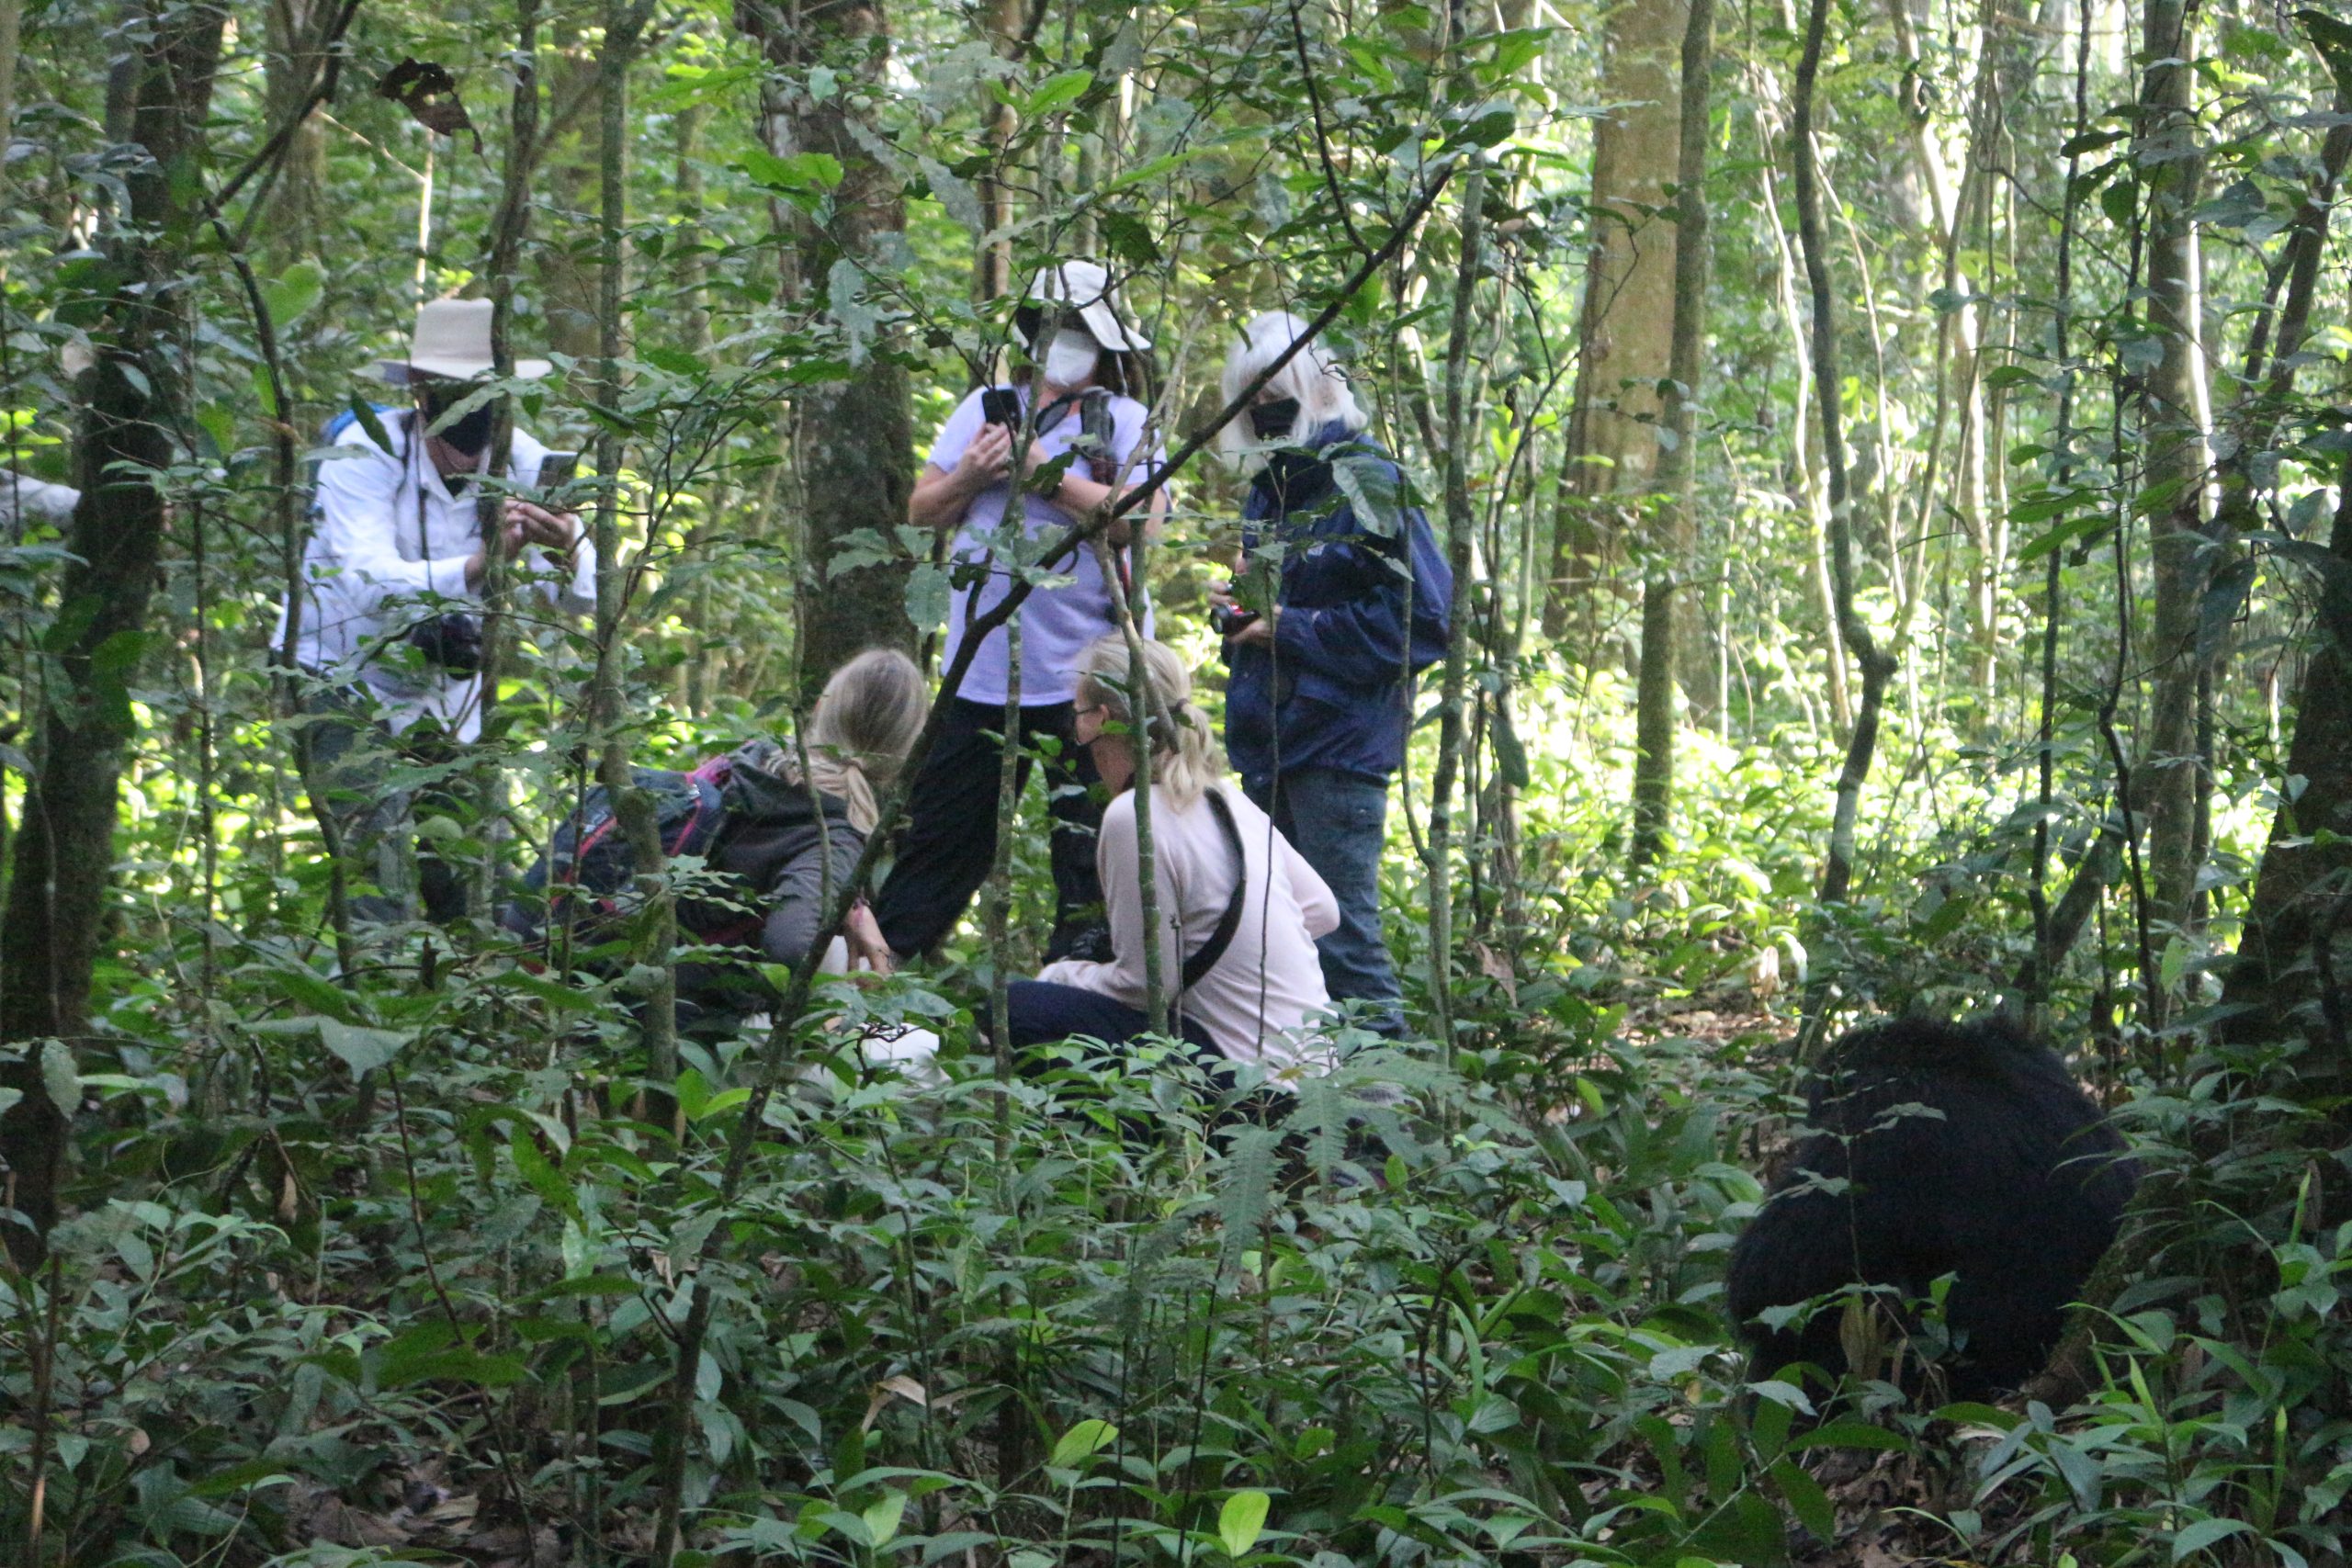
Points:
(1965, 1149)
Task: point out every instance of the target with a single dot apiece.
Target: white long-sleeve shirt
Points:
(375, 553)
(1258, 1001)
(21, 495)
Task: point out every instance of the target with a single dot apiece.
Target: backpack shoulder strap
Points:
(1221, 936)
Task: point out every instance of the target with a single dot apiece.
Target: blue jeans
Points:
(1336, 820)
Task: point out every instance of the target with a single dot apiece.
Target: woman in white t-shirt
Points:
(1073, 405)
(1255, 989)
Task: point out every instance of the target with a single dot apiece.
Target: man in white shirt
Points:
(388, 628)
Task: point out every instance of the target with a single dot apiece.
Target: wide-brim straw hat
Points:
(1085, 286)
(452, 339)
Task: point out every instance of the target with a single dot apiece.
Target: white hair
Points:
(1311, 376)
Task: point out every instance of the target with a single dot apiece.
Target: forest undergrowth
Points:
(1893, 473)
(394, 1271)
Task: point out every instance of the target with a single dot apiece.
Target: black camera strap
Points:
(1220, 937)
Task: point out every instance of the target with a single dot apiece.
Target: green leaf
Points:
(802, 170)
(538, 1171)
(294, 291)
(312, 991)
(929, 589)
(963, 204)
(58, 1076)
(1239, 1522)
(1082, 1441)
(2065, 532)
(1851, 1434)
(1057, 91)
(1806, 1498)
(2090, 141)
(363, 1050)
(2217, 614)
(8, 1098)
(2204, 1533)
(883, 1515)
(364, 413)
(2332, 38)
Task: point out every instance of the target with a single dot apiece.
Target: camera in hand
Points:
(1230, 618)
(452, 641)
(1000, 405)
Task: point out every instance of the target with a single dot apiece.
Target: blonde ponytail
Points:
(1185, 759)
(865, 724)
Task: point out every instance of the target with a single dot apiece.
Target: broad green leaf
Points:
(312, 991)
(1082, 1441)
(2072, 529)
(294, 291)
(58, 1076)
(2332, 38)
(1806, 1498)
(802, 170)
(883, 1515)
(2204, 1533)
(1239, 1522)
(363, 1050)
(1056, 91)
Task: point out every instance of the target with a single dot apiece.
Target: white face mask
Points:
(1070, 359)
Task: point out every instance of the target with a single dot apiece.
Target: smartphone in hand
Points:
(558, 470)
(1000, 405)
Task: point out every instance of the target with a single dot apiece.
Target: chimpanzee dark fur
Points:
(2016, 1189)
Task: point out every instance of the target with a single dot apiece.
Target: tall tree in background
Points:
(290, 65)
(854, 438)
(1877, 665)
(1627, 330)
(59, 884)
(2171, 164)
(2289, 977)
(1666, 575)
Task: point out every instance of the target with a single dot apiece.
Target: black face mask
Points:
(1273, 418)
(470, 433)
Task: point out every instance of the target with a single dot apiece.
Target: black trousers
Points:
(950, 839)
(1040, 1012)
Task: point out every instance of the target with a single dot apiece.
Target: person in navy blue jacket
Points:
(1342, 600)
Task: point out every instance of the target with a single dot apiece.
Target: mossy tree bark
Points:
(1667, 572)
(854, 437)
(59, 886)
(2171, 162)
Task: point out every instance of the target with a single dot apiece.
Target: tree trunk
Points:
(2290, 975)
(1664, 599)
(59, 886)
(1628, 320)
(1452, 731)
(992, 277)
(566, 183)
(2172, 163)
(856, 446)
(633, 807)
(291, 69)
(1877, 665)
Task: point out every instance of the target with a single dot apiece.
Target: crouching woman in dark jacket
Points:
(772, 844)
(1343, 598)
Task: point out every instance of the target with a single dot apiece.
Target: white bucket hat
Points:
(1086, 285)
(452, 339)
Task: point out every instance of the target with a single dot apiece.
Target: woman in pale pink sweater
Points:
(1255, 989)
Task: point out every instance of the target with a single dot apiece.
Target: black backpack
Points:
(580, 882)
